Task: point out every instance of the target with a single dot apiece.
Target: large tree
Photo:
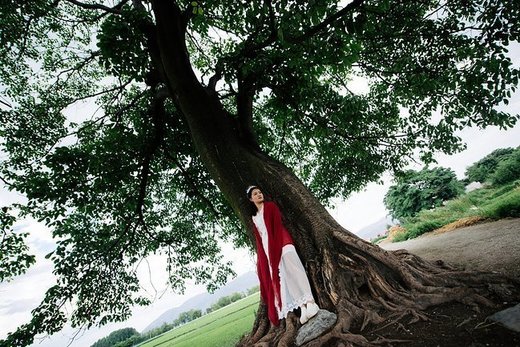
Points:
(197, 100)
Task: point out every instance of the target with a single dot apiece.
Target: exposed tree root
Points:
(370, 289)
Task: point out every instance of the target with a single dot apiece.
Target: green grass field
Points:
(221, 328)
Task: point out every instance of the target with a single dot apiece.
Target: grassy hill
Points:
(488, 203)
(220, 328)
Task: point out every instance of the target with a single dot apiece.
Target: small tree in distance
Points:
(507, 170)
(116, 337)
(418, 190)
(482, 170)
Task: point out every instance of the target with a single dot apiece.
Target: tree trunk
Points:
(362, 283)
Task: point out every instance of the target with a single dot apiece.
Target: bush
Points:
(376, 240)
(491, 202)
(400, 237)
(396, 232)
(482, 170)
(503, 190)
(224, 301)
(479, 196)
(253, 290)
(507, 170)
(508, 205)
(116, 337)
(458, 206)
(424, 227)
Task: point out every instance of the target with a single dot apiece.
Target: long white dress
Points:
(294, 285)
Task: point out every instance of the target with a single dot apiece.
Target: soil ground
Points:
(492, 246)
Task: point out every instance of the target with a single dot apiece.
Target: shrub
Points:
(483, 169)
(477, 197)
(504, 189)
(459, 205)
(507, 170)
(508, 205)
(424, 227)
(396, 232)
(400, 237)
(376, 240)
(253, 290)
(492, 203)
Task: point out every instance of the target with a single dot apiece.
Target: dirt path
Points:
(492, 246)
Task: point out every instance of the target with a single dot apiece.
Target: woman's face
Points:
(257, 196)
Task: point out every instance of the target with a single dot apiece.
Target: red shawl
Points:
(278, 237)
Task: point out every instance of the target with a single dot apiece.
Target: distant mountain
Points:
(203, 301)
(373, 230)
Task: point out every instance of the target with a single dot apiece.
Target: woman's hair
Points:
(252, 206)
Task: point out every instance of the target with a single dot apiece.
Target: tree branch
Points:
(244, 101)
(5, 103)
(115, 10)
(6, 182)
(158, 115)
(317, 28)
(169, 37)
(190, 182)
(212, 84)
(250, 50)
(78, 66)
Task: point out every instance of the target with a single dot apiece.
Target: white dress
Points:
(294, 285)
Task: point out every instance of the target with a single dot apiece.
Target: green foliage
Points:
(121, 45)
(423, 227)
(483, 170)
(508, 169)
(506, 205)
(14, 257)
(125, 182)
(401, 237)
(488, 203)
(187, 316)
(378, 239)
(225, 300)
(495, 192)
(415, 191)
(116, 337)
(253, 290)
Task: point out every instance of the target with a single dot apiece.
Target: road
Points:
(491, 246)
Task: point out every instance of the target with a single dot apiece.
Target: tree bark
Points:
(362, 283)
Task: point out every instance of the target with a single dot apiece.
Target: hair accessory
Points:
(250, 188)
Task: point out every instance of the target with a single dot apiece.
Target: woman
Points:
(283, 282)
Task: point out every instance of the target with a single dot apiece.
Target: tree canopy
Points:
(125, 181)
(508, 169)
(418, 190)
(484, 169)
